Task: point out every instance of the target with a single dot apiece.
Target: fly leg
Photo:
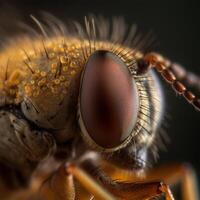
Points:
(101, 186)
(133, 189)
(71, 182)
(171, 174)
(178, 173)
(60, 186)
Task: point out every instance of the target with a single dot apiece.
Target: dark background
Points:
(176, 25)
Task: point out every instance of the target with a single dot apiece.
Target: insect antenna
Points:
(188, 77)
(162, 65)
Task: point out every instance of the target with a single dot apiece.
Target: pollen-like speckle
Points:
(52, 55)
(73, 72)
(63, 59)
(57, 81)
(73, 64)
(32, 82)
(53, 71)
(62, 78)
(65, 68)
(54, 66)
(43, 74)
(42, 82)
(28, 90)
(36, 92)
(54, 90)
(38, 71)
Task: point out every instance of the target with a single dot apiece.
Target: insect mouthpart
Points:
(109, 100)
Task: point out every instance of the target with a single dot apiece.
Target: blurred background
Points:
(176, 25)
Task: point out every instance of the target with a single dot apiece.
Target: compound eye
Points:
(108, 99)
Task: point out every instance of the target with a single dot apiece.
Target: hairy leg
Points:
(101, 186)
(171, 174)
(178, 173)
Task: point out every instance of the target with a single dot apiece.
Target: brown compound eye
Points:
(108, 99)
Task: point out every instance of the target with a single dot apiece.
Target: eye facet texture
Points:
(108, 99)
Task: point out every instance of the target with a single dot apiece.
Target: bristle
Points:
(39, 25)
